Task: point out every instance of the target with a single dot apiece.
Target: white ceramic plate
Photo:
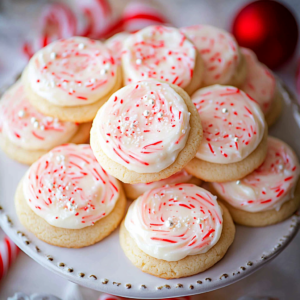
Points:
(104, 266)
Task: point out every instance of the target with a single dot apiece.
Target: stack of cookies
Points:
(56, 99)
(172, 110)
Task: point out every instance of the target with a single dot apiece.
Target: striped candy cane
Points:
(135, 17)
(56, 21)
(8, 254)
(97, 17)
(93, 18)
(139, 15)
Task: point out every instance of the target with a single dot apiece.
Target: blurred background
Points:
(25, 21)
(28, 25)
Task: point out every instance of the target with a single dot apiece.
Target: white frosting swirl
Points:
(72, 72)
(69, 189)
(219, 51)
(159, 52)
(173, 222)
(27, 128)
(233, 124)
(143, 126)
(260, 83)
(269, 186)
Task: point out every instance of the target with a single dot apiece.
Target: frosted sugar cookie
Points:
(67, 199)
(146, 131)
(115, 44)
(234, 134)
(261, 85)
(268, 195)
(176, 231)
(163, 53)
(133, 191)
(26, 134)
(71, 78)
(223, 62)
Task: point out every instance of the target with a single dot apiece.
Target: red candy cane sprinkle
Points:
(260, 83)
(218, 50)
(192, 221)
(27, 128)
(270, 185)
(161, 53)
(228, 138)
(73, 71)
(134, 124)
(75, 197)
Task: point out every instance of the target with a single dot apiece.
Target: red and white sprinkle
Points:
(219, 51)
(269, 186)
(260, 83)
(172, 222)
(69, 189)
(82, 72)
(27, 128)
(141, 136)
(159, 52)
(233, 124)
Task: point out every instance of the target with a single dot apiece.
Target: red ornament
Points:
(268, 28)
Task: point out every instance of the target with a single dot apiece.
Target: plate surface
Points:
(104, 266)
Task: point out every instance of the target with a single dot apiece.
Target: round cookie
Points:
(71, 79)
(223, 61)
(162, 53)
(261, 85)
(267, 196)
(234, 135)
(268, 217)
(30, 156)
(146, 132)
(133, 191)
(26, 134)
(212, 172)
(77, 207)
(185, 254)
(69, 238)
